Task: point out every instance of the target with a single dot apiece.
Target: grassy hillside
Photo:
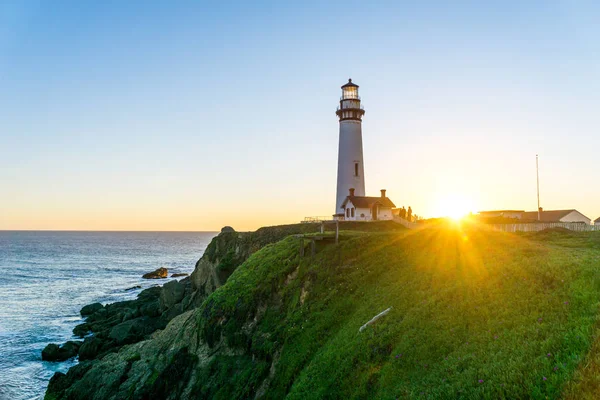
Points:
(475, 314)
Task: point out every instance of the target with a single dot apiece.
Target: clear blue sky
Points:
(193, 115)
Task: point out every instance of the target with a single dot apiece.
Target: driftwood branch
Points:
(375, 318)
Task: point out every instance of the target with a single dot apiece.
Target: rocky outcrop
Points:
(171, 294)
(179, 275)
(155, 368)
(121, 323)
(53, 352)
(160, 273)
(90, 309)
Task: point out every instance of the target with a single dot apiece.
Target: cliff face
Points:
(115, 326)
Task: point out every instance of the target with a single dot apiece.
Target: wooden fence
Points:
(407, 224)
(536, 227)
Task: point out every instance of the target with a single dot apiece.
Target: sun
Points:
(454, 206)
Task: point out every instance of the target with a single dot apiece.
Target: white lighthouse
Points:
(351, 170)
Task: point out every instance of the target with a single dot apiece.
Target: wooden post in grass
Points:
(337, 231)
(301, 245)
(322, 227)
(313, 247)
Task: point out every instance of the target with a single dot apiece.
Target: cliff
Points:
(474, 314)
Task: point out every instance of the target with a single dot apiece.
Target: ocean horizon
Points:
(50, 275)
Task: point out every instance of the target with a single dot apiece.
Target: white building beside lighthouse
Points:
(350, 200)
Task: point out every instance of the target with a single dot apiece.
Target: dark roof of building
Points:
(597, 219)
(367, 202)
(547, 216)
(350, 84)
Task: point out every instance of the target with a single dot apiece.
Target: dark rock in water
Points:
(160, 273)
(50, 352)
(90, 348)
(70, 348)
(98, 315)
(171, 293)
(90, 309)
(133, 288)
(178, 275)
(81, 330)
(60, 382)
(53, 352)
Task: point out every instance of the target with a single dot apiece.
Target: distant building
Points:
(364, 208)
(532, 216)
(556, 216)
(501, 214)
(597, 221)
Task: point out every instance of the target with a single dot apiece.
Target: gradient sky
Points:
(160, 115)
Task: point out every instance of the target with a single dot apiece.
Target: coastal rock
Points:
(158, 353)
(90, 309)
(160, 273)
(179, 275)
(90, 348)
(125, 332)
(53, 352)
(133, 330)
(50, 352)
(150, 309)
(227, 229)
(133, 288)
(81, 330)
(171, 293)
(60, 382)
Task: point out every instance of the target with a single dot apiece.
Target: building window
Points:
(347, 212)
(352, 212)
(355, 169)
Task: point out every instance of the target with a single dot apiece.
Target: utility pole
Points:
(537, 171)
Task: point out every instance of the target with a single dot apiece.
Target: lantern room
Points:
(350, 91)
(350, 108)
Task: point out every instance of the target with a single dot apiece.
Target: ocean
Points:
(48, 276)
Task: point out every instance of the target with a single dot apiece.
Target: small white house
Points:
(597, 221)
(365, 208)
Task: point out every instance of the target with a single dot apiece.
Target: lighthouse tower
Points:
(351, 170)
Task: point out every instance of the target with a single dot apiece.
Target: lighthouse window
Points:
(355, 169)
(352, 212)
(347, 212)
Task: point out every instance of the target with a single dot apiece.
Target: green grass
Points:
(475, 314)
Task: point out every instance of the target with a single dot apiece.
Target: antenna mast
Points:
(537, 171)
